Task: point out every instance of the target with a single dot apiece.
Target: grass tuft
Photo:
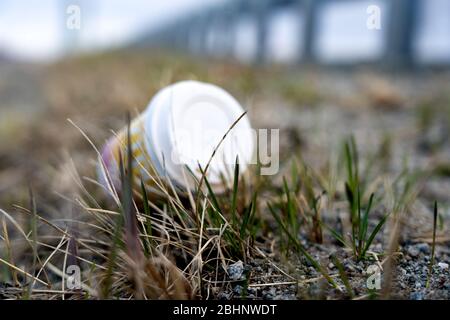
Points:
(433, 246)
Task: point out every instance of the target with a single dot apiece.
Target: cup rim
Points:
(161, 113)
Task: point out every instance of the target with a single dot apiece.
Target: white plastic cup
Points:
(182, 126)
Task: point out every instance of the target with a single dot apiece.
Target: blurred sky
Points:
(35, 29)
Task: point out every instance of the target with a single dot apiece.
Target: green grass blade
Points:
(349, 162)
(290, 209)
(343, 276)
(351, 200)
(336, 235)
(301, 249)
(365, 221)
(350, 195)
(433, 247)
(212, 195)
(358, 223)
(245, 220)
(235, 193)
(373, 234)
(252, 222)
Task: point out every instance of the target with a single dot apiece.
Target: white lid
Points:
(184, 124)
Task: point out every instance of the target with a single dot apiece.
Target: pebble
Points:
(416, 296)
(307, 263)
(236, 270)
(378, 248)
(268, 296)
(312, 270)
(251, 291)
(443, 265)
(238, 290)
(423, 247)
(349, 267)
(223, 296)
(413, 251)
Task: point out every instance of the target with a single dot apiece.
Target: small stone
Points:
(416, 296)
(236, 270)
(413, 251)
(238, 290)
(330, 265)
(349, 267)
(268, 296)
(307, 263)
(251, 291)
(423, 247)
(223, 296)
(443, 265)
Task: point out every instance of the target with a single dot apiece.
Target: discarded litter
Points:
(188, 127)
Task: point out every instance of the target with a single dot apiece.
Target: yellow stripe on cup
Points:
(117, 146)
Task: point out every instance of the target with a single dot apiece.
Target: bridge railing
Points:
(243, 29)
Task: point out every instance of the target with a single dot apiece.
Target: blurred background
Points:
(272, 31)
(280, 31)
(318, 70)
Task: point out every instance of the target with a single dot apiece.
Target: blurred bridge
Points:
(313, 31)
